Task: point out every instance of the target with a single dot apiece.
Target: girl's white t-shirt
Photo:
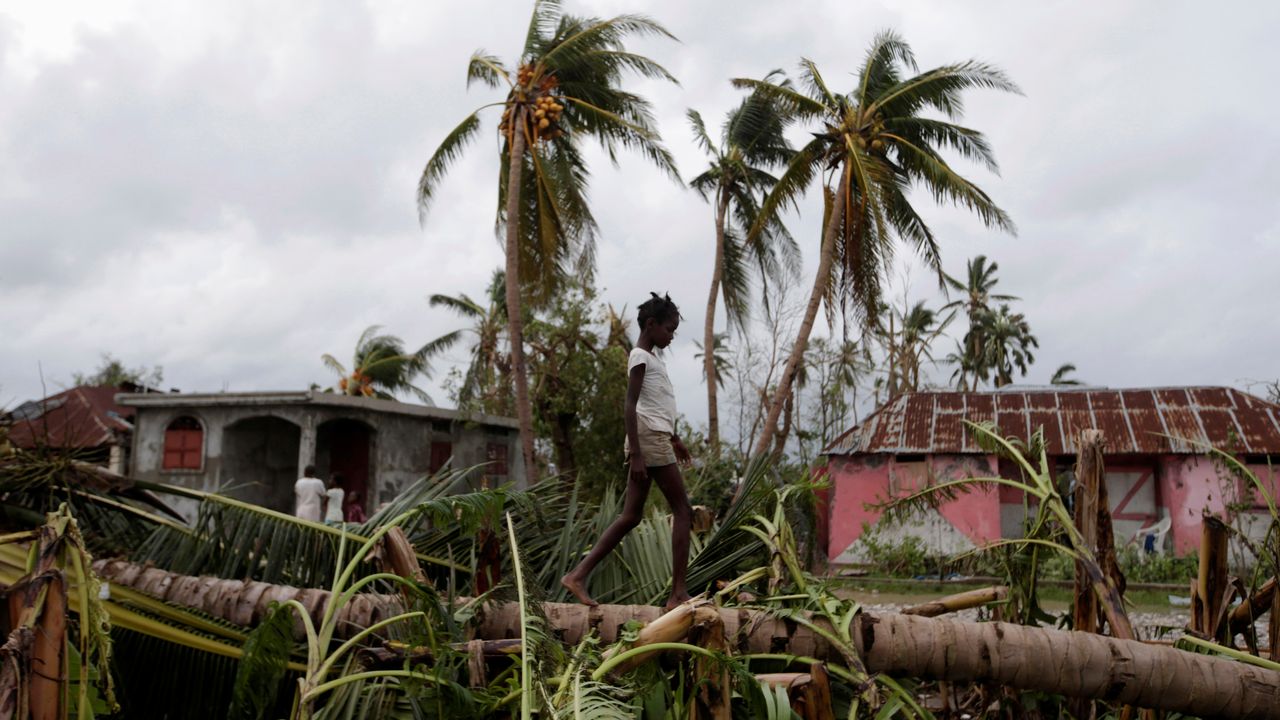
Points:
(656, 406)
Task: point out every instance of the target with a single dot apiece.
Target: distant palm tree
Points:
(564, 88)
(871, 146)
(751, 144)
(1060, 376)
(976, 297)
(912, 346)
(486, 383)
(964, 374)
(721, 366)
(1007, 344)
(380, 367)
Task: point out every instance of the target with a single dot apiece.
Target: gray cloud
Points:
(229, 190)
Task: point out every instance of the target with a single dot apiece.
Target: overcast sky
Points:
(228, 189)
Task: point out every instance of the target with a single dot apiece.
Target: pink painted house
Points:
(1154, 468)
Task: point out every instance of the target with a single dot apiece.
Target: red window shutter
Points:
(183, 448)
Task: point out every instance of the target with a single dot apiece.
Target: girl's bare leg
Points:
(671, 483)
(632, 511)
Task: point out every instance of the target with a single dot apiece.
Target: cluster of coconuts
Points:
(358, 383)
(546, 107)
(870, 137)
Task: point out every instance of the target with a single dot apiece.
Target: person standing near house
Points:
(309, 495)
(333, 500)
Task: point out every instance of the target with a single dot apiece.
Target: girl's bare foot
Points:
(676, 601)
(579, 590)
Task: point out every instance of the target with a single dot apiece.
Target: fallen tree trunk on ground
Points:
(1026, 658)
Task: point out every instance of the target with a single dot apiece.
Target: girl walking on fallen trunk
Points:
(652, 450)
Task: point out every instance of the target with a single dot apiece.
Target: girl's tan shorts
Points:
(655, 446)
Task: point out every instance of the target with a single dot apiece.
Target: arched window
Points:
(183, 445)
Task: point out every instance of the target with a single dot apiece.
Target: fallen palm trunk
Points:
(959, 601)
(1068, 663)
(1028, 658)
(246, 602)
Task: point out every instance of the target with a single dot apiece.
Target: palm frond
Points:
(735, 283)
(630, 129)
(886, 49)
(928, 132)
(793, 103)
(462, 304)
(262, 668)
(940, 89)
(700, 135)
(946, 184)
(595, 35)
(487, 69)
(542, 23)
(790, 186)
(449, 151)
(332, 363)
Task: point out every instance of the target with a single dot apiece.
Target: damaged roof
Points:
(82, 417)
(1145, 421)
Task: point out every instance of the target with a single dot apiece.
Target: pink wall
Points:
(859, 481)
(1188, 486)
(1192, 485)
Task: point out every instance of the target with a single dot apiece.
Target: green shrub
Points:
(1156, 568)
(905, 557)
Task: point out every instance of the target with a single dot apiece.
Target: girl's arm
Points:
(634, 380)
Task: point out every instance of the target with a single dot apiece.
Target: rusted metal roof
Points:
(80, 418)
(1147, 421)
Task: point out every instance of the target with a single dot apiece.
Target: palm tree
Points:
(564, 88)
(1007, 344)
(912, 344)
(751, 144)
(486, 382)
(965, 371)
(381, 368)
(976, 293)
(718, 359)
(871, 146)
(1060, 376)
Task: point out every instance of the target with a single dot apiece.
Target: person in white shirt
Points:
(333, 501)
(653, 450)
(309, 495)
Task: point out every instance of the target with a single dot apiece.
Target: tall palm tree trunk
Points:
(709, 331)
(825, 259)
(515, 321)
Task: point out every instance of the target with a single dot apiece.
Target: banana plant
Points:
(1053, 527)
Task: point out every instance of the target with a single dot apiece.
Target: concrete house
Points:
(254, 445)
(1155, 468)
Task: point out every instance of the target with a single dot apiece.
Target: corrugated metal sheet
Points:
(1140, 421)
(82, 417)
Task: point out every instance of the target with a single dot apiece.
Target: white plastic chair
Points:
(1150, 539)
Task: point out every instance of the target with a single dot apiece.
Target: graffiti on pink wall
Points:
(861, 483)
(1141, 491)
